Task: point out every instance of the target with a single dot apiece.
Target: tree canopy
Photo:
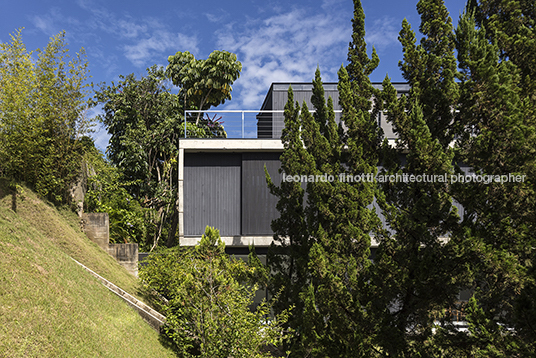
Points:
(356, 285)
(324, 268)
(208, 297)
(145, 119)
(204, 83)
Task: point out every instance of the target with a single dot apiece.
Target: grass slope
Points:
(50, 306)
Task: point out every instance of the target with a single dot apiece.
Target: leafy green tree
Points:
(42, 106)
(144, 120)
(107, 193)
(204, 83)
(208, 303)
(18, 79)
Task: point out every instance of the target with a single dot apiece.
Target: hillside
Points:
(50, 306)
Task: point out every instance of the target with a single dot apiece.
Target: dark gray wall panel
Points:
(212, 193)
(301, 92)
(229, 191)
(280, 99)
(258, 205)
(277, 98)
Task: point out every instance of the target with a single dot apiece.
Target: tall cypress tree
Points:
(417, 272)
(288, 255)
(339, 222)
(430, 68)
(340, 217)
(332, 317)
(399, 305)
(497, 121)
(511, 25)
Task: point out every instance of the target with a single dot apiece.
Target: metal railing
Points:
(243, 126)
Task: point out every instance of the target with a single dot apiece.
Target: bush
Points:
(209, 297)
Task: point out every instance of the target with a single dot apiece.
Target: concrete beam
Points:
(246, 241)
(225, 144)
(234, 241)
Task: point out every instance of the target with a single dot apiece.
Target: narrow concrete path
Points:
(153, 317)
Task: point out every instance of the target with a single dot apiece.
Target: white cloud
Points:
(130, 29)
(217, 17)
(330, 4)
(285, 47)
(383, 33)
(145, 40)
(101, 138)
(44, 23)
(147, 50)
(108, 62)
(101, 19)
(52, 22)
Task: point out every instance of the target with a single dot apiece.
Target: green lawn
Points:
(50, 306)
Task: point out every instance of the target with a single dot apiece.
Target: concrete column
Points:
(180, 194)
(97, 228)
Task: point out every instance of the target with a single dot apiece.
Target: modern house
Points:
(222, 181)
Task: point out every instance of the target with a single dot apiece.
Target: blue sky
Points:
(276, 41)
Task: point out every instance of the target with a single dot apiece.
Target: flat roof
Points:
(328, 86)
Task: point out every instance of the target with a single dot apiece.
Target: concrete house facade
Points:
(222, 181)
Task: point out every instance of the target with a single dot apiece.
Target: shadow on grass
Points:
(10, 188)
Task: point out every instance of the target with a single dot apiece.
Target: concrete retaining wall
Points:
(97, 228)
(126, 255)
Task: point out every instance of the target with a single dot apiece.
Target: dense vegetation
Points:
(145, 120)
(42, 107)
(471, 103)
(209, 301)
(471, 107)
